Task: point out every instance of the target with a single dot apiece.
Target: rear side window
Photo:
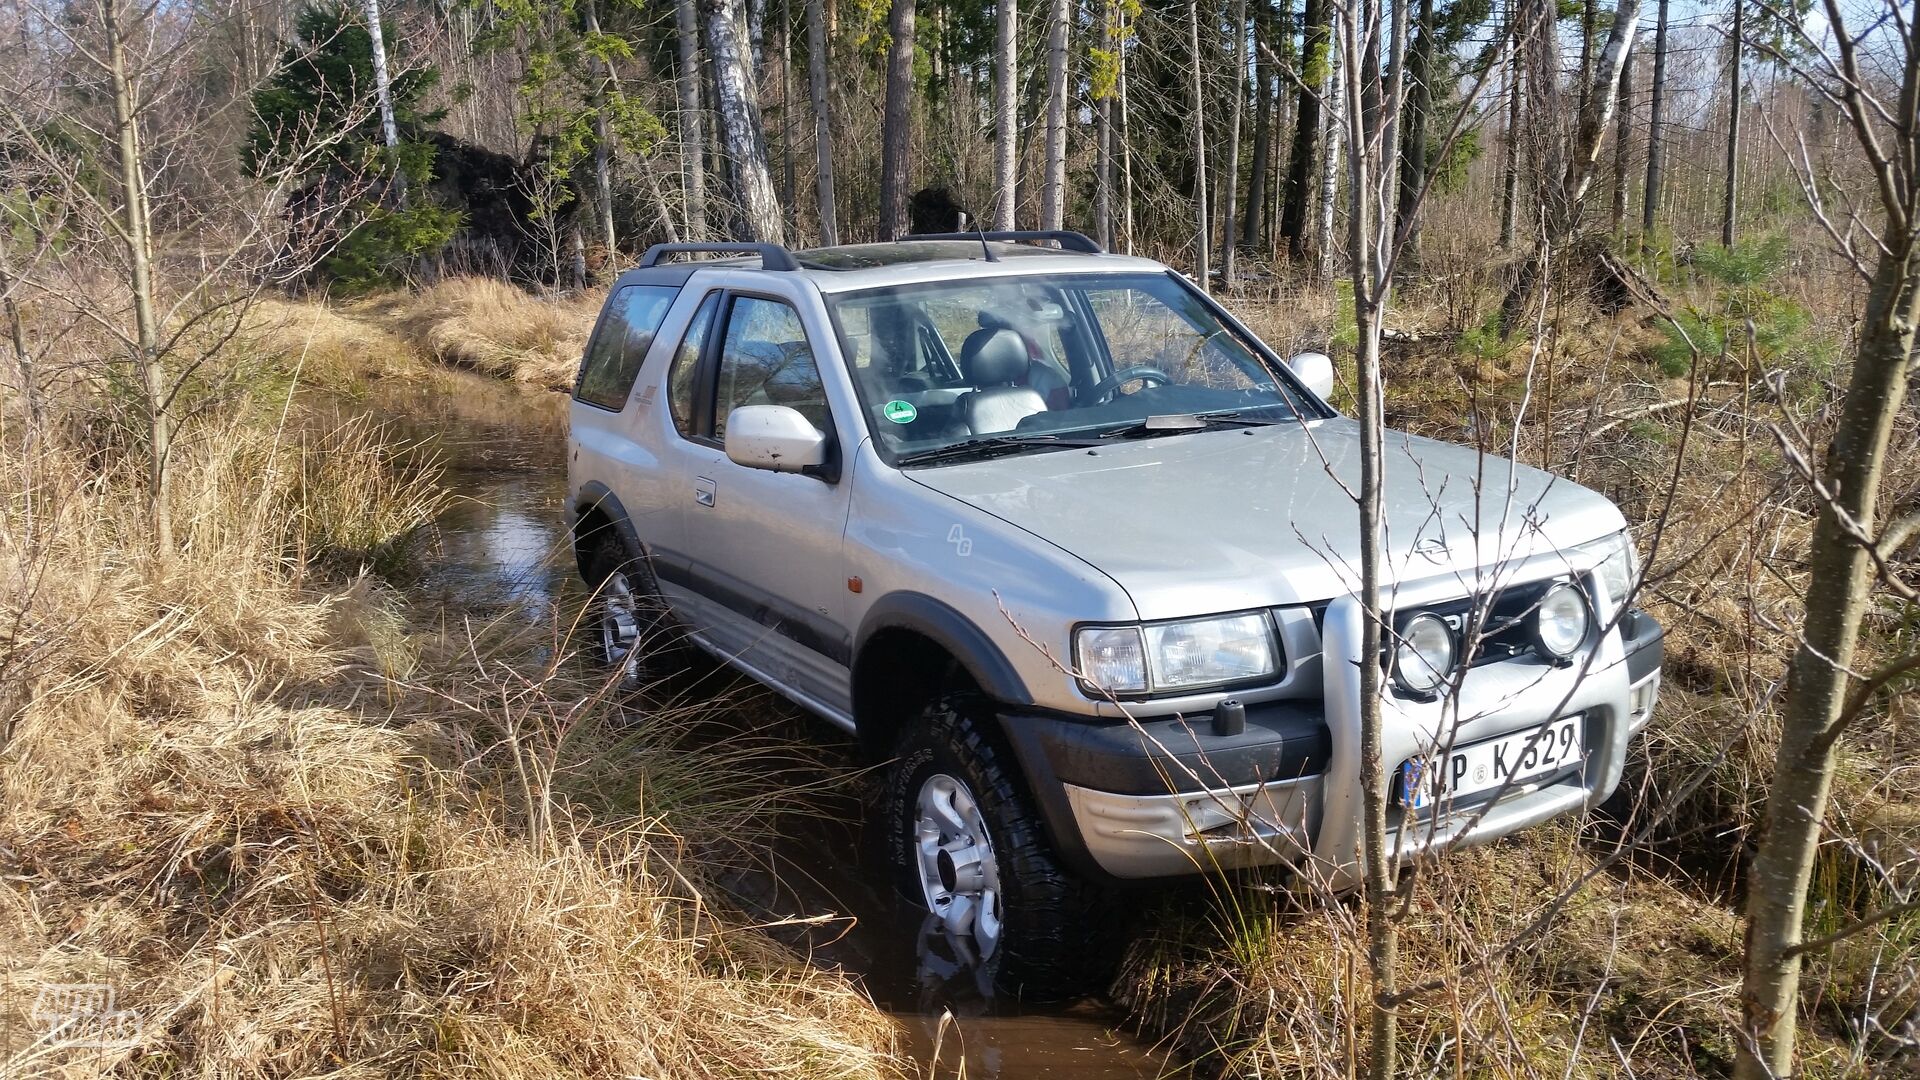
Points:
(686, 365)
(625, 335)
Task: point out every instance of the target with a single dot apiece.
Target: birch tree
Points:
(1006, 111)
(738, 98)
(1053, 186)
(1562, 156)
(1827, 690)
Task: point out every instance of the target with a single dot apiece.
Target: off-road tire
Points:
(662, 649)
(1056, 927)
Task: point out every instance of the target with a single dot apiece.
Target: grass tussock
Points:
(298, 834)
(1631, 968)
(494, 328)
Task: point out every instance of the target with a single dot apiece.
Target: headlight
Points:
(1423, 658)
(1618, 569)
(1112, 658)
(1178, 655)
(1561, 621)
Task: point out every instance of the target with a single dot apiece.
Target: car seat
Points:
(994, 362)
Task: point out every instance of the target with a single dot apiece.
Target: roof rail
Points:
(1066, 238)
(772, 256)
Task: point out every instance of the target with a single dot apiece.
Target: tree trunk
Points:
(1419, 119)
(788, 181)
(1053, 185)
(740, 130)
(1306, 128)
(693, 139)
(1230, 184)
(1104, 134)
(1510, 178)
(1333, 85)
(896, 135)
(1255, 224)
(1650, 195)
(382, 86)
(1563, 162)
(139, 248)
(1731, 203)
(1587, 22)
(1838, 595)
(817, 46)
(1622, 142)
(1126, 143)
(602, 166)
(1006, 112)
(1202, 236)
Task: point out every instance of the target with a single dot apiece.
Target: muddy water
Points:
(503, 544)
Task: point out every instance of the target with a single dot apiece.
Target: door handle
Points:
(703, 491)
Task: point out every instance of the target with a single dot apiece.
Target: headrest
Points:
(997, 357)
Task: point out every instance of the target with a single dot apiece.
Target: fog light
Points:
(1561, 621)
(1424, 657)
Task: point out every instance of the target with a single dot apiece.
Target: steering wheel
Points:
(1106, 388)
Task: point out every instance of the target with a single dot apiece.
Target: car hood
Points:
(1255, 517)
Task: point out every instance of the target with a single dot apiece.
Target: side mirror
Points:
(774, 437)
(1315, 369)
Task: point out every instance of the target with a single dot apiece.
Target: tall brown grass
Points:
(498, 329)
(298, 834)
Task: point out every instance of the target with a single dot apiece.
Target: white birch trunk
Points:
(739, 117)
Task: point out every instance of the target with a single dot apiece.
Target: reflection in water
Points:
(503, 545)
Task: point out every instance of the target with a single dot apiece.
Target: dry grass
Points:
(496, 328)
(299, 836)
(1632, 967)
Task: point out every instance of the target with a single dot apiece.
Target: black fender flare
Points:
(940, 623)
(592, 497)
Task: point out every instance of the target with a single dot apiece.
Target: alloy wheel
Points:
(959, 878)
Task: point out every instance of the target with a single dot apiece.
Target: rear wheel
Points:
(632, 629)
(966, 842)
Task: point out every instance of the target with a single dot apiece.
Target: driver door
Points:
(763, 548)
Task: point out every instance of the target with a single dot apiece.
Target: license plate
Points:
(1510, 759)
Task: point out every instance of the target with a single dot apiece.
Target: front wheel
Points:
(966, 842)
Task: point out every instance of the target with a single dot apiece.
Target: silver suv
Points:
(1057, 537)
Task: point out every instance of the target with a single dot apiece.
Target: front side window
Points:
(621, 344)
(1053, 357)
(766, 360)
(685, 371)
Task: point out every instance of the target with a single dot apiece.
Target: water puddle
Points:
(503, 545)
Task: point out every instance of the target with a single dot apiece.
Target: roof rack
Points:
(1066, 238)
(772, 256)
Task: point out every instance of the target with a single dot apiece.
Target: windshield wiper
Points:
(992, 446)
(1166, 423)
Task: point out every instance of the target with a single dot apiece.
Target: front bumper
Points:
(1163, 797)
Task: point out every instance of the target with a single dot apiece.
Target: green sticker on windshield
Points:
(900, 412)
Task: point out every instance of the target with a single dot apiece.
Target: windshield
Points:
(1049, 359)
